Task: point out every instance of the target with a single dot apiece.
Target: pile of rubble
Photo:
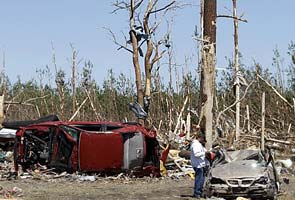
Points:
(6, 165)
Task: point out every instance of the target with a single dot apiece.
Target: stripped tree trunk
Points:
(1, 110)
(60, 84)
(248, 119)
(236, 65)
(73, 79)
(2, 91)
(135, 58)
(208, 69)
(147, 59)
(263, 122)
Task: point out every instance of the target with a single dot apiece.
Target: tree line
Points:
(26, 100)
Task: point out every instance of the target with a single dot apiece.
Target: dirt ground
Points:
(146, 188)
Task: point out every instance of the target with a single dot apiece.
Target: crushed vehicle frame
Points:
(9, 128)
(242, 173)
(107, 147)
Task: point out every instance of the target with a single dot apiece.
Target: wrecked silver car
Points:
(242, 173)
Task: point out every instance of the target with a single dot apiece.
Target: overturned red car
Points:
(88, 147)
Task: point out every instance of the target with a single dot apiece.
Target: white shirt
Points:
(197, 154)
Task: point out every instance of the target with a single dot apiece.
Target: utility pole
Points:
(208, 67)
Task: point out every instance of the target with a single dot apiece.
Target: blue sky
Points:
(28, 27)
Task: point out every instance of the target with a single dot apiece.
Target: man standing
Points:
(198, 160)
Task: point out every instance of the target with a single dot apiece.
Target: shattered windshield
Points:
(238, 155)
(245, 155)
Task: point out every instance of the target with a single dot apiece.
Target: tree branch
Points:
(158, 57)
(137, 5)
(232, 105)
(232, 17)
(120, 6)
(267, 83)
(164, 8)
(77, 111)
(33, 99)
(116, 42)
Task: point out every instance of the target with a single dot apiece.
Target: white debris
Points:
(87, 178)
(242, 198)
(7, 133)
(9, 156)
(215, 198)
(286, 163)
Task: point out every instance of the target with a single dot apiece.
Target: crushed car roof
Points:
(240, 163)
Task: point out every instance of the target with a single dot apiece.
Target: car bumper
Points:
(254, 191)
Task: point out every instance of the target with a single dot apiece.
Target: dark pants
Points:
(199, 181)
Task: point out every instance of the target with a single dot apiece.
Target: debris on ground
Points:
(6, 165)
(13, 193)
(215, 198)
(174, 162)
(87, 178)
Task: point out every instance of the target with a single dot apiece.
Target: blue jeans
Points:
(199, 181)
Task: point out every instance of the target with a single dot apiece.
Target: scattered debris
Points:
(51, 151)
(287, 163)
(87, 178)
(11, 193)
(242, 198)
(215, 198)
(9, 156)
(6, 165)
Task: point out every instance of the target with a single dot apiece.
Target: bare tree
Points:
(73, 78)
(142, 29)
(238, 75)
(236, 64)
(2, 90)
(262, 122)
(60, 84)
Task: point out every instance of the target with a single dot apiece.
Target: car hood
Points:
(238, 169)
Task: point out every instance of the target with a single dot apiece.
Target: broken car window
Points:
(74, 133)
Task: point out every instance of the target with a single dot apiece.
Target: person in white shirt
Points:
(199, 162)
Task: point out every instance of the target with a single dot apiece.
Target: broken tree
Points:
(208, 66)
(141, 32)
